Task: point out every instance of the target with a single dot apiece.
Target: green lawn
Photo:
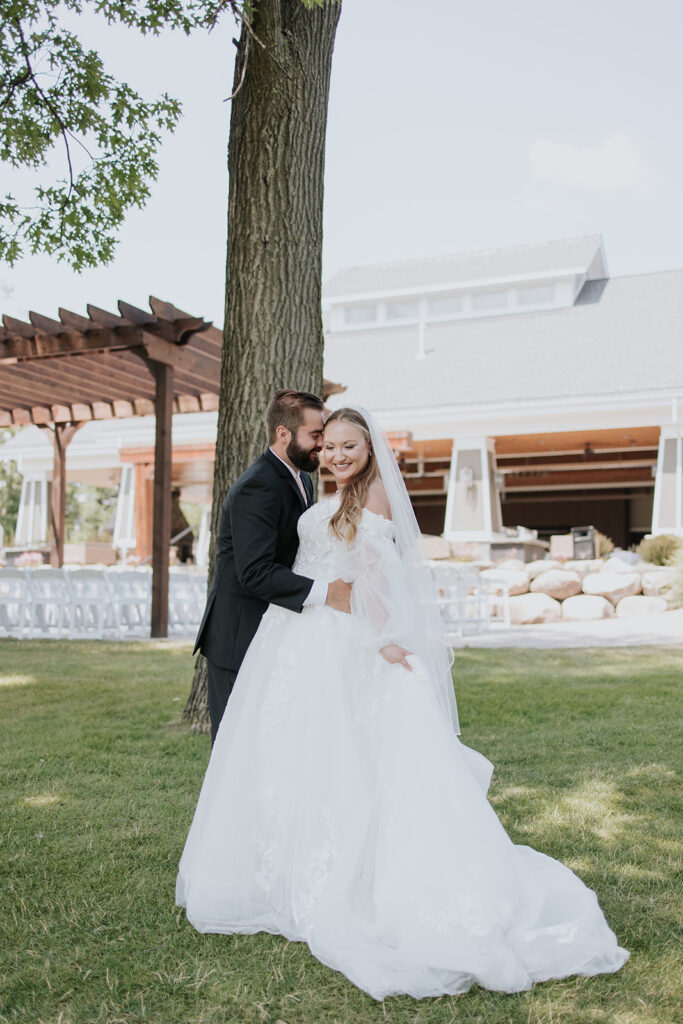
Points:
(99, 786)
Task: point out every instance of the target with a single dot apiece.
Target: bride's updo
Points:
(344, 522)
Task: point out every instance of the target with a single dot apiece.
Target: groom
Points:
(257, 543)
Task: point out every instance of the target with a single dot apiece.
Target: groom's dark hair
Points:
(286, 409)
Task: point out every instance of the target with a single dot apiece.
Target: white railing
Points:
(94, 603)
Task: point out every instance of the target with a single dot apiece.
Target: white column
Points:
(32, 515)
(473, 509)
(667, 508)
(124, 523)
(204, 539)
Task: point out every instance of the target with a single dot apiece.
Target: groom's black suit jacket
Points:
(256, 546)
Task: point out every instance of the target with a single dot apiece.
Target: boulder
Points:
(534, 569)
(584, 565)
(436, 547)
(640, 605)
(517, 581)
(562, 546)
(586, 608)
(528, 608)
(657, 581)
(612, 585)
(557, 583)
(617, 564)
(511, 563)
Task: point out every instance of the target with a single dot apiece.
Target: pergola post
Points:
(161, 540)
(60, 435)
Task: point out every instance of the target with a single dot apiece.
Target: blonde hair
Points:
(344, 522)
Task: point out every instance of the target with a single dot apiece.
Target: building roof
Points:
(624, 335)
(555, 258)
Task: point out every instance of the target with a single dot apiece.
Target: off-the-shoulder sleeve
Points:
(379, 596)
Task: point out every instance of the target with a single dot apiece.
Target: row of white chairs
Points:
(468, 602)
(94, 602)
(48, 602)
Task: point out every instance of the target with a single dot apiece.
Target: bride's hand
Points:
(396, 655)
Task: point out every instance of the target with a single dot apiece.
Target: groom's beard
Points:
(302, 458)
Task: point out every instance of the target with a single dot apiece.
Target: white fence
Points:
(94, 603)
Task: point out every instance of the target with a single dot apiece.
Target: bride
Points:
(339, 807)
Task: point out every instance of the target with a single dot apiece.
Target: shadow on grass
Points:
(101, 783)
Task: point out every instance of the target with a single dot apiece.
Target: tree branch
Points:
(19, 80)
(50, 106)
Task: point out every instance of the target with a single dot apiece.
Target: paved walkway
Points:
(663, 628)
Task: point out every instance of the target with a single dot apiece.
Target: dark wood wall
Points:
(610, 516)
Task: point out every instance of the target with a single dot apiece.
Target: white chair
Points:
(50, 601)
(15, 601)
(463, 598)
(131, 597)
(199, 584)
(499, 590)
(91, 605)
(184, 608)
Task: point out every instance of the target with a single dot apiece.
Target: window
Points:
(489, 300)
(537, 296)
(360, 314)
(402, 310)
(445, 305)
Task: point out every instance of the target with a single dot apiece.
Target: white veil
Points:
(426, 637)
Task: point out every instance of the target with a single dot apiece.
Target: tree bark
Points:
(273, 335)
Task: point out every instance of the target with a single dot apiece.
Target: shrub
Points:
(659, 550)
(604, 545)
(674, 594)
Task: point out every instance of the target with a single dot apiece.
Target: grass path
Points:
(99, 786)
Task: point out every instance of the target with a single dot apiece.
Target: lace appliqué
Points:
(320, 862)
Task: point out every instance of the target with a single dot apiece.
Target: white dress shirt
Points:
(317, 595)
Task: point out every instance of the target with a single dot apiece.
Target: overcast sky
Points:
(452, 127)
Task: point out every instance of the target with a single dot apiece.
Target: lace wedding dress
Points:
(339, 808)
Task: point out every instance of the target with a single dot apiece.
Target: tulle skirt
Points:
(340, 809)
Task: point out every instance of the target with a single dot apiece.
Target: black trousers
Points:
(220, 683)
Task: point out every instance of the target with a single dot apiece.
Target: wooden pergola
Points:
(60, 374)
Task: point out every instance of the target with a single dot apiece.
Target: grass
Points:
(100, 782)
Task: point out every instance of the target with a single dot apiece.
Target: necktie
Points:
(302, 489)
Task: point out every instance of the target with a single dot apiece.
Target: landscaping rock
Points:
(584, 565)
(436, 547)
(657, 581)
(612, 585)
(517, 581)
(529, 608)
(587, 608)
(640, 605)
(534, 569)
(616, 564)
(557, 583)
(511, 563)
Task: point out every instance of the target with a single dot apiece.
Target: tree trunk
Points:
(273, 334)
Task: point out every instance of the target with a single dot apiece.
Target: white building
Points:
(539, 391)
(523, 386)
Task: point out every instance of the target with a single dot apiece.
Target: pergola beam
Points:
(60, 436)
(189, 363)
(161, 540)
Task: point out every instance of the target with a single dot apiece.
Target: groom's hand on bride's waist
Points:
(339, 596)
